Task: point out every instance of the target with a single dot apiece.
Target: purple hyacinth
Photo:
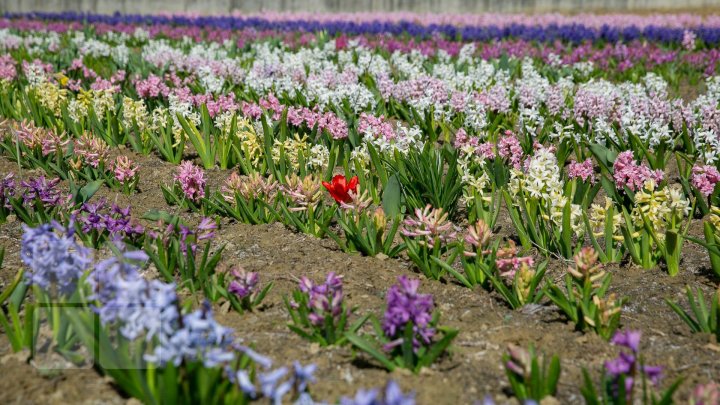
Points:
(323, 299)
(393, 395)
(100, 217)
(42, 190)
(7, 190)
(627, 365)
(406, 306)
(245, 283)
(54, 258)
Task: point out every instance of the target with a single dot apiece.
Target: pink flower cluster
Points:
(509, 148)
(297, 116)
(192, 180)
(7, 67)
(430, 225)
(628, 173)
(125, 169)
(704, 178)
(92, 149)
(376, 126)
(582, 170)
(465, 143)
(508, 263)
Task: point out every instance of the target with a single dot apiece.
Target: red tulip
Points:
(339, 188)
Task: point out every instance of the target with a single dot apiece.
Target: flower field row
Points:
(487, 157)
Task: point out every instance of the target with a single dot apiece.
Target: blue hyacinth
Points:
(54, 259)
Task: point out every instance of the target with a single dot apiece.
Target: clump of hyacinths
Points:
(300, 202)
(627, 379)
(189, 188)
(391, 394)
(428, 237)
(584, 300)
(365, 231)
(701, 318)
(318, 311)
(124, 175)
(409, 335)
(157, 351)
(477, 253)
(532, 377)
(184, 254)
(90, 158)
(34, 147)
(242, 289)
(701, 184)
(516, 278)
(705, 394)
(7, 192)
(99, 222)
(656, 227)
(250, 199)
(711, 231)
(55, 264)
(603, 228)
(542, 208)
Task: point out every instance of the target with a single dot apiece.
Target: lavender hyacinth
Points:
(627, 364)
(245, 283)
(136, 305)
(406, 306)
(54, 259)
(393, 395)
(41, 189)
(7, 190)
(323, 299)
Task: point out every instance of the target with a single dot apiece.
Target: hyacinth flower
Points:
(124, 174)
(603, 228)
(477, 252)
(584, 184)
(91, 154)
(541, 206)
(408, 335)
(242, 289)
(705, 394)
(318, 312)
(699, 184)
(301, 204)
(584, 299)
(155, 351)
(250, 199)
(428, 237)
(701, 318)
(531, 377)
(35, 147)
(179, 250)
(55, 264)
(711, 242)
(391, 394)
(98, 222)
(188, 189)
(626, 376)
(7, 192)
(653, 231)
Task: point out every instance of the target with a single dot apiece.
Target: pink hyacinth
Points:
(582, 170)
(125, 169)
(509, 148)
(688, 41)
(704, 178)
(633, 175)
(93, 150)
(192, 180)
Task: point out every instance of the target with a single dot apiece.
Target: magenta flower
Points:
(631, 174)
(125, 169)
(406, 306)
(509, 148)
(192, 181)
(704, 178)
(582, 170)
